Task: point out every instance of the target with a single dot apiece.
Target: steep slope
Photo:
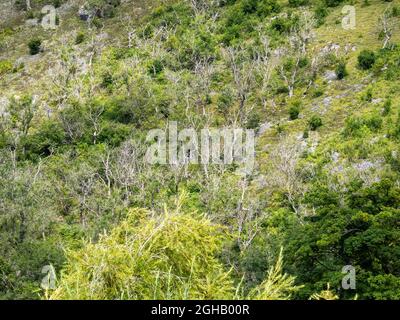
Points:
(77, 102)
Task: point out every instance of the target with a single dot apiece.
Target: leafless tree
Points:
(387, 25)
(94, 117)
(200, 6)
(265, 64)
(285, 174)
(299, 38)
(243, 70)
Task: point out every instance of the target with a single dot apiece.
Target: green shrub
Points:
(20, 4)
(367, 96)
(366, 3)
(34, 46)
(266, 7)
(366, 59)
(387, 63)
(280, 25)
(373, 122)
(97, 23)
(304, 62)
(45, 140)
(5, 67)
(32, 15)
(80, 37)
(294, 111)
(320, 13)
(333, 3)
(253, 121)
(249, 6)
(107, 80)
(357, 126)
(341, 71)
(352, 126)
(395, 11)
(225, 101)
(315, 122)
(317, 92)
(155, 67)
(261, 7)
(57, 3)
(387, 107)
(298, 3)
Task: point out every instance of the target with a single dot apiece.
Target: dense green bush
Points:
(45, 141)
(281, 25)
(361, 229)
(387, 63)
(333, 3)
(80, 37)
(366, 59)
(315, 122)
(241, 17)
(20, 4)
(387, 107)
(5, 67)
(354, 125)
(294, 110)
(261, 8)
(320, 13)
(34, 46)
(298, 3)
(341, 71)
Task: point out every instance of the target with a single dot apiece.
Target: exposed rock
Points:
(335, 156)
(376, 101)
(330, 75)
(331, 47)
(343, 95)
(31, 22)
(299, 136)
(264, 127)
(350, 47)
(367, 165)
(357, 87)
(327, 101)
(3, 106)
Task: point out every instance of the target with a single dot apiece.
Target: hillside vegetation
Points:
(76, 105)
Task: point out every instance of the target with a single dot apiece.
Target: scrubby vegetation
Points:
(76, 192)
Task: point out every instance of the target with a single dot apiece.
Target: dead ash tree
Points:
(387, 26)
(265, 62)
(299, 38)
(285, 175)
(243, 73)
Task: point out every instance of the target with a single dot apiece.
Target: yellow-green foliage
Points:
(327, 294)
(277, 286)
(172, 256)
(5, 67)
